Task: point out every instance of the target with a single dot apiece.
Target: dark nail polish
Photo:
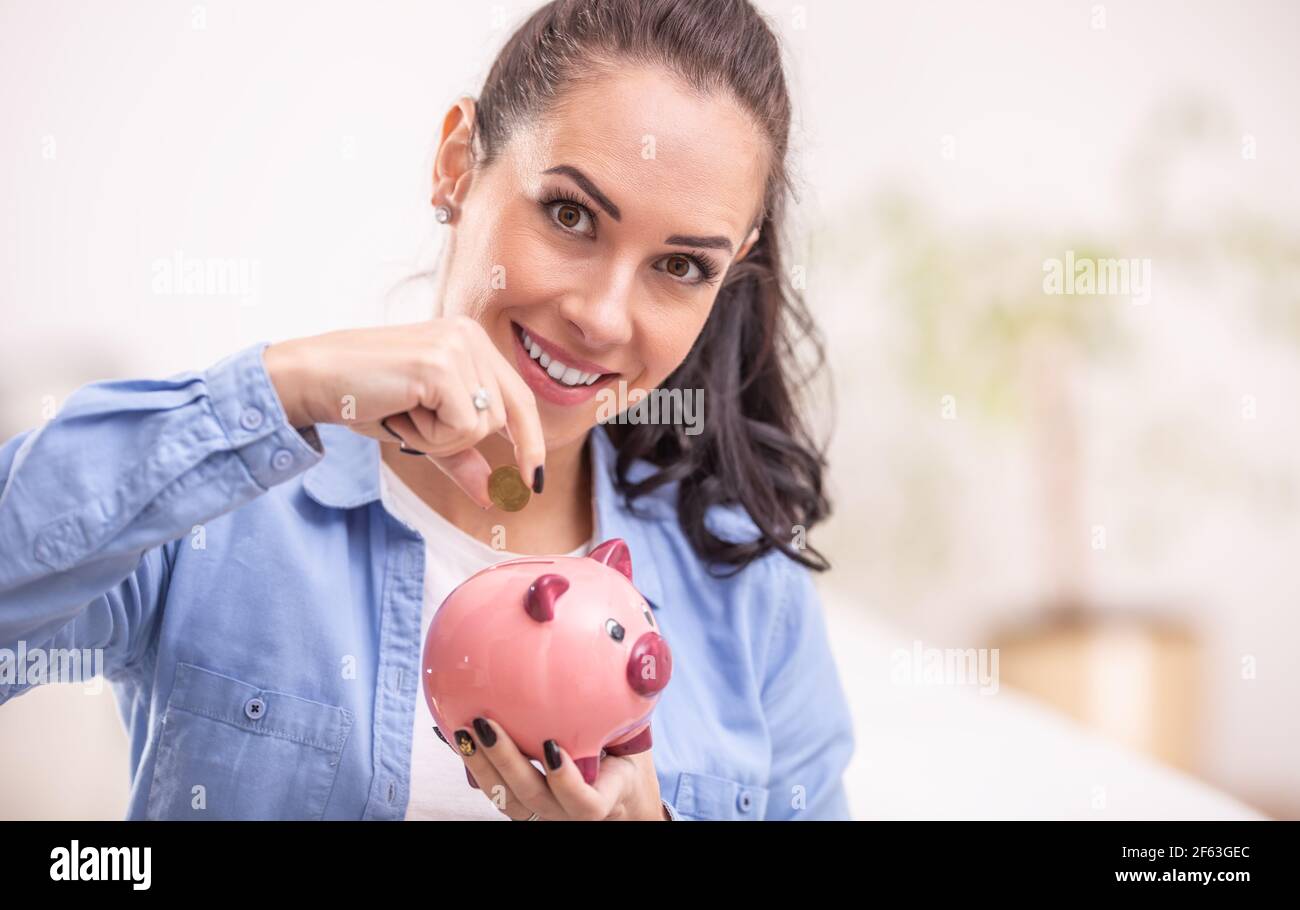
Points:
(465, 742)
(391, 432)
(485, 734)
(537, 479)
(440, 736)
(553, 760)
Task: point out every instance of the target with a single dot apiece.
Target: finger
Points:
(514, 768)
(401, 429)
(578, 799)
(470, 471)
(453, 421)
(523, 422)
(494, 416)
(438, 438)
(482, 776)
(505, 385)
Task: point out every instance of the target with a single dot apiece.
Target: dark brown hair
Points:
(754, 449)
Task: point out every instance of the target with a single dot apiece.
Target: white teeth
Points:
(556, 370)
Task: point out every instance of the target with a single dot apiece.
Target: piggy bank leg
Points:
(638, 743)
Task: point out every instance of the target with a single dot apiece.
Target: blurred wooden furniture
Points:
(1131, 677)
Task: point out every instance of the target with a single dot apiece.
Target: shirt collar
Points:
(348, 477)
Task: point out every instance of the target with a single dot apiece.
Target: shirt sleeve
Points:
(805, 706)
(88, 499)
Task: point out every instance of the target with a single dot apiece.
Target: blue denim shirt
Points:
(258, 611)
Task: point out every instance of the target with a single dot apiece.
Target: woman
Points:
(258, 548)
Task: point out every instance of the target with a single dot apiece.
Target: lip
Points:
(541, 382)
(560, 354)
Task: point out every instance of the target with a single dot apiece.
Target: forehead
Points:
(664, 155)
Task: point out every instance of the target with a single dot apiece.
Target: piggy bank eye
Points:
(614, 629)
(649, 618)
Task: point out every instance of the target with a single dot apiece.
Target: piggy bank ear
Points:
(542, 594)
(614, 553)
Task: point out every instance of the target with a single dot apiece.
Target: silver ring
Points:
(481, 399)
(532, 818)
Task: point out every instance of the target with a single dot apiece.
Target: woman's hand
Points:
(626, 788)
(422, 377)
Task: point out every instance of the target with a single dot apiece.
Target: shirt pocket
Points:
(232, 750)
(707, 797)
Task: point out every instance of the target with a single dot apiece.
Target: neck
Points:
(556, 521)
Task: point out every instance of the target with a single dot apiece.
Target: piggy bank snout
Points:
(650, 664)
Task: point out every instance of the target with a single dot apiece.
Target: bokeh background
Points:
(1103, 490)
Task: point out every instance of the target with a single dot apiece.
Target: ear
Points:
(614, 553)
(539, 602)
(452, 163)
(747, 245)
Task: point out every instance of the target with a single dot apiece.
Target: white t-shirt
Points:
(439, 788)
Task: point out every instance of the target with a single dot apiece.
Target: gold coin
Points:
(507, 489)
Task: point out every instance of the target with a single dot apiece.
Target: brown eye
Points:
(572, 217)
(685, 269)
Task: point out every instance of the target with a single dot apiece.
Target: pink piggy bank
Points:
(550, 647)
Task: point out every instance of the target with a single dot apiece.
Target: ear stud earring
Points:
(441, 214)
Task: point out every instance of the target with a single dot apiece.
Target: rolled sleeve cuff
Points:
(672, 811)
(245, 404)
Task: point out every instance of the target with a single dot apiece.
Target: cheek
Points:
(534, 268)
(668, 335)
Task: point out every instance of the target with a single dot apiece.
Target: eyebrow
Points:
(715, 242)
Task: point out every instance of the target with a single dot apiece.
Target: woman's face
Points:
(603, 232)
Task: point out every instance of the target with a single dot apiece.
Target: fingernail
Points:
(465, 742)
(391, 432)
(485, 734)
(440, 736)
(553, 760)
(405, 451)
(537, 480)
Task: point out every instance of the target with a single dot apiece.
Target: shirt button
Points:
(282, 459)
(745, 800)
(251, 419)
(255, 708)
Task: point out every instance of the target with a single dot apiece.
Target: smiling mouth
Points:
(557, 371)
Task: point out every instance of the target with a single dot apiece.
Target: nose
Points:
(602, 315)
(650, 665)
